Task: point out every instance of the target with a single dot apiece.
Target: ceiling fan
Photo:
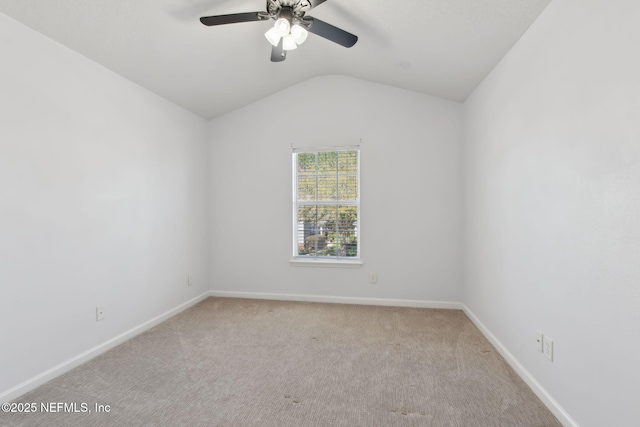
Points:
(291, 27)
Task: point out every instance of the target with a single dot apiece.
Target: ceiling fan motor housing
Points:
(291, 10)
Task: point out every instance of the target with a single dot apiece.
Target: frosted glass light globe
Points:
(299, 34)
(282, 26)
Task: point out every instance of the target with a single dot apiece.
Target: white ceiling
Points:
(439, 47)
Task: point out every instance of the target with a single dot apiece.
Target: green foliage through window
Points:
(327, 203)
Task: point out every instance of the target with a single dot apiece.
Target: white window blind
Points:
(326, 193)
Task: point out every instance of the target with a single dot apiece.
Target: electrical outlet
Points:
(373, 277)
(99, 313)
(539, 338)
(547, 347)
(189, 279)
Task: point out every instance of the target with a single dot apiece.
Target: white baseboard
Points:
(535, 386)
(340, 300)
(48, 375)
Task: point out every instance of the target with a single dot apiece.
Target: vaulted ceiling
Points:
(439, 47)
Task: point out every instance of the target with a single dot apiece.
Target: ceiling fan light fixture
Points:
(273, 36)
(288, 43)
(299, 33)
(282, 26)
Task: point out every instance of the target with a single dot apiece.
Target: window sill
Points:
(327, 263)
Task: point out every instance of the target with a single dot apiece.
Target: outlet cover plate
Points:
(548, 348)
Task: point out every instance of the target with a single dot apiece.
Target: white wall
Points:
(103, 201)
(411, 190)
(552, 178)
(107, 193)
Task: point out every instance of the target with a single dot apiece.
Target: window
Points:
(326, 196)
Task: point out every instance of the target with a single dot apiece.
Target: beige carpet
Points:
(233, 362)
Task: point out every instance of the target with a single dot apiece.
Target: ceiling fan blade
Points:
(314, 3)
(330, 32)
(278, 54)
(233, 18)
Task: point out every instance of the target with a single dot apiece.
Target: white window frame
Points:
(306, 261)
